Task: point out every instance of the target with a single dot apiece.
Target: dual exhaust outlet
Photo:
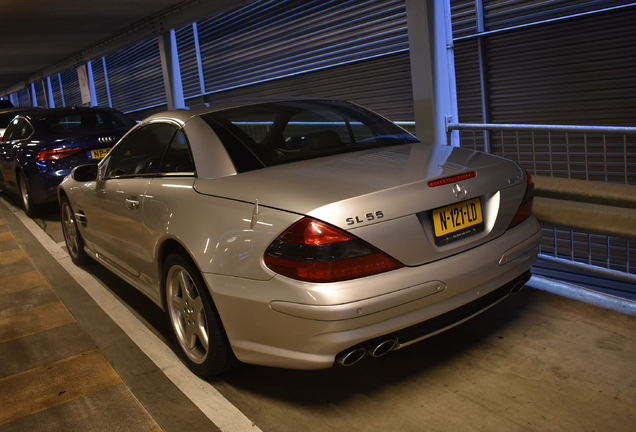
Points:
(377, 349)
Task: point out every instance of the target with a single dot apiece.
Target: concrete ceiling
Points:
(38, 35)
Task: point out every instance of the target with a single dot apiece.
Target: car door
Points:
(16, 136)
(114, 212)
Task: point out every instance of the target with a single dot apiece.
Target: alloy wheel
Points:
(187, 314)
(70, 230)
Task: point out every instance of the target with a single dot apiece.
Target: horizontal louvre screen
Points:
(58, 96)
(136, 77)
(577, 70)
(560, 73)
(71, 88)
(23, 98)
(463, 17)
(469, 96)
(382, 84)
(271, 39)
(100, 82)
(39, 93)
(188, 62)
(500, 14)
(468, 85)
(573, 71)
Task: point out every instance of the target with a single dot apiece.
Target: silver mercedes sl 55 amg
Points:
(301, 233)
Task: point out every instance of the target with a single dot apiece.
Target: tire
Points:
(72, 236)
(31, 209)
(196, 327)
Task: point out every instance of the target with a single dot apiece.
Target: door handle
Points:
(132, 203)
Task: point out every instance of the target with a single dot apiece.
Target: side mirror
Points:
(85, 173)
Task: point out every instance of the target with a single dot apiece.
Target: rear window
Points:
(80, 122)
(263, 135)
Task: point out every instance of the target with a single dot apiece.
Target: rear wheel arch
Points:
(168, 247)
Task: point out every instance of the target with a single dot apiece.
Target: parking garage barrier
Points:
(585, 196)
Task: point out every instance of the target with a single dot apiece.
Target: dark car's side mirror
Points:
(85, 173)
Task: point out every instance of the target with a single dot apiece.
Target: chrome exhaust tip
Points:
(351, 357)
(383, 348)
(517, 287)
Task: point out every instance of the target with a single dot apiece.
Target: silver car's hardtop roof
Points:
(183, 115)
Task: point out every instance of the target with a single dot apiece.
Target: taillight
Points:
(313, 251)
(525, 209)
(58, 153)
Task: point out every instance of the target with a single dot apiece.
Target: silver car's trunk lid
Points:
(384, 197)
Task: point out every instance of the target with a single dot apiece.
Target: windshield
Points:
(263, 135)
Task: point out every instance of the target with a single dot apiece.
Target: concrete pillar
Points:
(48, 91)
(59, 81)
(33, 95)
(432, 69)
(171, 71)
(91, 83)
(107, 83)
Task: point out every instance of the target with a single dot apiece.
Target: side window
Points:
(141, 152)
(19, 129)
(177, 158)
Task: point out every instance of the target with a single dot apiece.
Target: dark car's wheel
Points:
(195, 323)
(31, 209)
(72, 236)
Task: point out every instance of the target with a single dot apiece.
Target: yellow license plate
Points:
(458, 220)
(98, 154)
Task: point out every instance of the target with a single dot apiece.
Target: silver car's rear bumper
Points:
(287, 323)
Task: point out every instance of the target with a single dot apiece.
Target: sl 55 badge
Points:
(366, 218)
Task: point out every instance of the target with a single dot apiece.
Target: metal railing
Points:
(585, 179)
(595, 153)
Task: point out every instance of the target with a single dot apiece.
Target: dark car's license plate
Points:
(458, 220)
(98, 154)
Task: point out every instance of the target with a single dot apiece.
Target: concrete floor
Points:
(51, 369)
(535, 362)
